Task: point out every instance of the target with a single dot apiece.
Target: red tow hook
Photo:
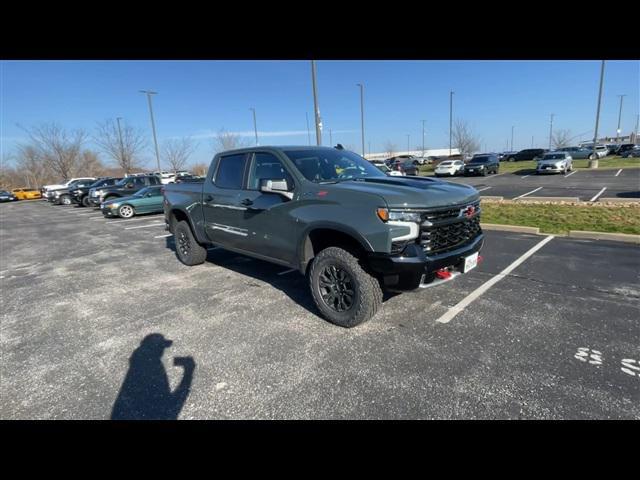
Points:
(443, 274)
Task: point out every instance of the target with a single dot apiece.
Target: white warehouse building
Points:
(438, 152)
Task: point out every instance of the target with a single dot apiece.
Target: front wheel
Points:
(85, 201)
(188, 250)
(511, 159)
(592, 157)
(65, 200)
(126, 211)
(344, 293)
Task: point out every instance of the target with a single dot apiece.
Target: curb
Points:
(489, 197)
(510, 228)
(619, 200)
(549, 199)
(619, 237)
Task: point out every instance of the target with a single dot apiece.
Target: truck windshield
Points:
(331, 165)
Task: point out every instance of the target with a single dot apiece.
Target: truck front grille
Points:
(449, 229)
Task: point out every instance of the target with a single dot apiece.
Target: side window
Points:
(266, 165)
(139, 182)
(230, 171)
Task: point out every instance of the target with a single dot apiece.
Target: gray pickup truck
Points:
(334, 217)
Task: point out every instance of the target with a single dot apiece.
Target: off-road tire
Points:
(188, 250)
(367, 292)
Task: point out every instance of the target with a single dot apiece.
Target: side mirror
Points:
(129, 185)
(273, 185)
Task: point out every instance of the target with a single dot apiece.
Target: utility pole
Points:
(450, 118)
(255, 125)
(153, 126)
(619, 117)
(315, 104)
(551, 130)
(512, 138)
(594, 163)
(423, 138)
(308, 130)
(121, 144)
(362, 113)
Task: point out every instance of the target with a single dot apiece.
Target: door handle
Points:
(246, 202)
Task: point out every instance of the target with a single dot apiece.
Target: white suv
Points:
(449, 168)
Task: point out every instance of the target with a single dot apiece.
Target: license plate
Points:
(470, 262)
(471, 170)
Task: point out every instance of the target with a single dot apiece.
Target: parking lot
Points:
(556, 337)
(579, 185)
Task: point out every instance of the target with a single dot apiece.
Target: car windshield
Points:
(480, 160)
(554, 156)
(445, 164)
(331, 165)
(4, 192)
(383, 168)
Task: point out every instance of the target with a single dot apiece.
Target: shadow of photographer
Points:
(145, 393)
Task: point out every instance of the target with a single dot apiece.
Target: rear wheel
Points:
(344, 293)
(126, 211)
(188, 250)
(85, 201)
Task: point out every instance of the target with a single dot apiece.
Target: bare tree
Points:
(91, 165)
(199, 169)
(228, 141)
(126, 152)
(561, 138)
(464, 139)
(390, 148)
(32, 167)
(60, 150)
(176, 152)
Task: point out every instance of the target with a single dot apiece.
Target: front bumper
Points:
(405, 271)
(474, 171)
(549, 169)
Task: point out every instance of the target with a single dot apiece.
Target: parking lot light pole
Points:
(315, 104)
(450, 118)
(512, 127)
(120, 138)
(255, 125)
(619, 118)
(551, 130)
(362, 113)
(594, 163)
(153, 126)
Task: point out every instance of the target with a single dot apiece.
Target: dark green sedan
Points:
(147, 200)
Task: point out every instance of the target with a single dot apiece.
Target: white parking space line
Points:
(526, 176)
(163, 236)
(619, 171)
(461, 305)
(287, 271)
(528, 193)
(568, 175)
(598, 194)
(116, 220)
(485, 188)
(146, 226)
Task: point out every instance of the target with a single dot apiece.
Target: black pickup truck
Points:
(124, 187)
(80, 195)
(334, 217)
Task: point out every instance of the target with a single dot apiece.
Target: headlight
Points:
(113, 205)
(400, 216)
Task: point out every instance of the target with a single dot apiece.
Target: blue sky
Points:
(197, 98)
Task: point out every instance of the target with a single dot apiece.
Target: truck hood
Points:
(412, 192)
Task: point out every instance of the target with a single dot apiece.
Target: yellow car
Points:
(26, 193)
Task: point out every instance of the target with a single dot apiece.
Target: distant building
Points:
(439, 152)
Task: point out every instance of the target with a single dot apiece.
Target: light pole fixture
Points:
(362, 113)
(593, 163)
(255, 125)
(619, 117)
(551, 130)
(315, 104)
(153, 126)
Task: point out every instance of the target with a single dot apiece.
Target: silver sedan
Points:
(555, 162)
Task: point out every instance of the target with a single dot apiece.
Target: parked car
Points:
(577, 153)
(46, 189)
(7, 196)
(555, 162)
(146, 200)
(123, 188)
(166, 177)
(401, 159)
(26, 193)
(624, 147)
(408, 167)
(527, 154)
(482, 165)
(386, 170)
(612, 148)
(631, 152)
(449, 168)
(80, 194)
(189, 178)
(289, 206)
(62, 196)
